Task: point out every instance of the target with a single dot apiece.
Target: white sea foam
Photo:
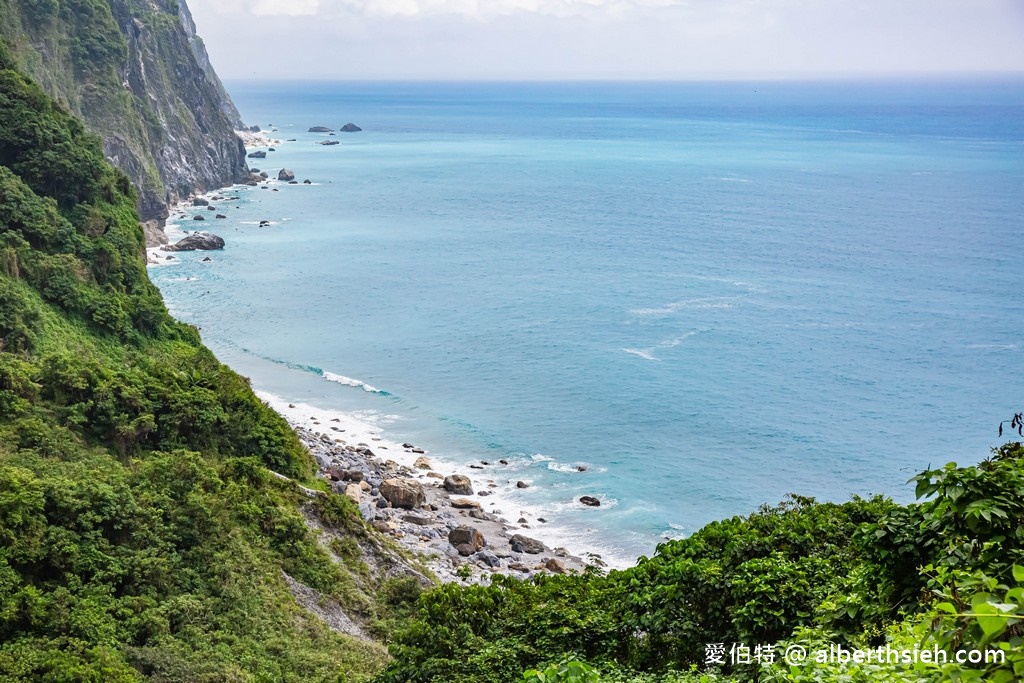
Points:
(642, 353)
(341, 379)
(505, 500)
(676, 306)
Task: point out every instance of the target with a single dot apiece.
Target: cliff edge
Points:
(139, 76)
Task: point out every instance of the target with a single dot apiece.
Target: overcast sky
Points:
(610, 39)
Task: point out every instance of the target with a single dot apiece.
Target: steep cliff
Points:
(138, 75)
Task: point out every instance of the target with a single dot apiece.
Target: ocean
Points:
(704, 295)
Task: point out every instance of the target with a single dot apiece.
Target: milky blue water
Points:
(710, 294)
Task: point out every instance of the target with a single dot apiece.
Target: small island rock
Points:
(204, 241)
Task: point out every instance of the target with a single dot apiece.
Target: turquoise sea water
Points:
(710, 294)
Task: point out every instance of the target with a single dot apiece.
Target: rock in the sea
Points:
(207, 259)
(307, 181)
(591, 501)
(458, 484)
(350, 128)
(199, 217)
(422, 463)
(523, 544)
(330, 142)
(254, 129)
(220, 215)
(258, 154)
(522, 485)
(285, 174)
(320, 129)
(204, 241)
(466, 535)
(199, 201)
(403, 493)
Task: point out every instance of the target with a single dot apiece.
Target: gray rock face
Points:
(458, 484)
(201, 240)
(285, 174)
(466, 535)
(403, 493)
(523, 544)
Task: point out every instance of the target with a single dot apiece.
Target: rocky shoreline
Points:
(439, 515)
(444, 513)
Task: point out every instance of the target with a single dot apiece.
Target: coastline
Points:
(357, 458)
(516, 541)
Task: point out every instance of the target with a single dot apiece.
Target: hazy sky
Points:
(538, 39)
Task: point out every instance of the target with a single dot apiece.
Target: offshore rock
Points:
(591, 501)
(285, 174)
(258, 154)
(320, 129)
(204, 241)
(350, 128)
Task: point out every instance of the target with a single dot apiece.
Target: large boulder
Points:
(522, 544)
(350, 128)
(403, 493)
(204, 241)
(199, 201)
(458, 484)
(259, 154)
(285, 174)
(591, 501)
(466, 535)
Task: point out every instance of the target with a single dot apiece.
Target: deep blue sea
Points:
(710, 294)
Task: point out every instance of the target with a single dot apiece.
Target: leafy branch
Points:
(1017, 422)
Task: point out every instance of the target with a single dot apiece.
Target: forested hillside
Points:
(142, 534)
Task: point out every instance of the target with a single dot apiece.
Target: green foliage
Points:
(563, 672)
(973, 519)
(141, 537)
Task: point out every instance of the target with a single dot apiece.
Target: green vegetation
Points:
(945, 573)
(141, 535)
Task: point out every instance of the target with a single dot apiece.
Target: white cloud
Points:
(291, 8)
